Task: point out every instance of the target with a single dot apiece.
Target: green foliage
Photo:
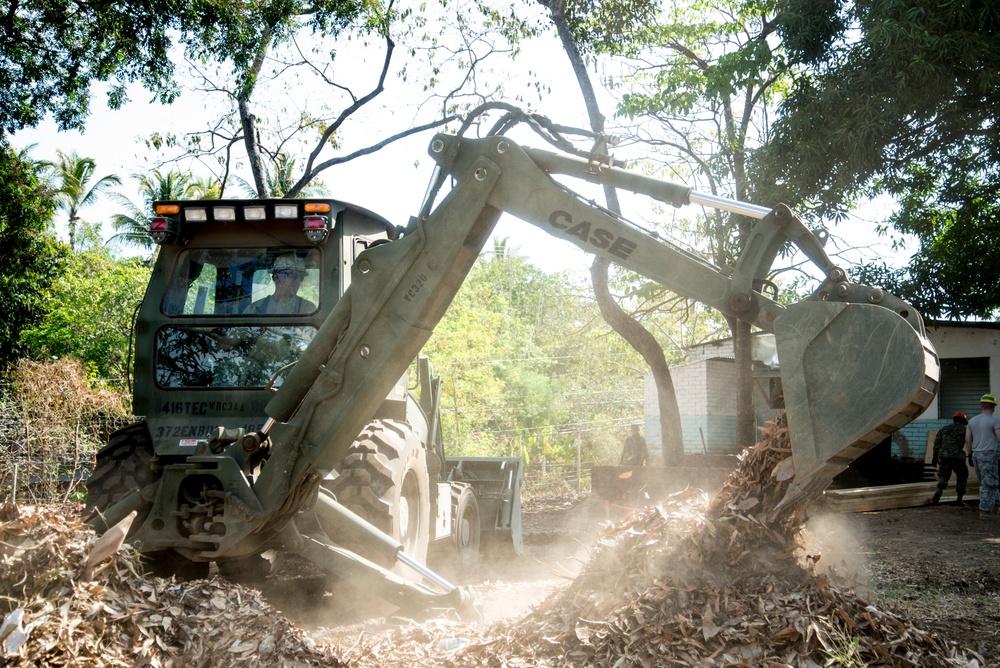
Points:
(239, 33)
(76, 190)
(898, 97)
(887, 83)
(30, 256)
(88, 313)
(528, 365)
(132, 226)
(609, 26)
(952, 273)
(52, 50)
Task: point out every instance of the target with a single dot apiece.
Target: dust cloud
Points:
(558, 541)
(833, 545)
(559, 535)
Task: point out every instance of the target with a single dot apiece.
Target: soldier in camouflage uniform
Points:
(949, 455)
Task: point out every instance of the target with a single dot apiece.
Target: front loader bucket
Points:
(852, 374)
(497, 482)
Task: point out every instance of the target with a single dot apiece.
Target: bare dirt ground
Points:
(938, 567)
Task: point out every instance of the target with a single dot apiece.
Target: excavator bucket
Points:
(852, 374)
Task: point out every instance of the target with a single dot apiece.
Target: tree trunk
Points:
(253, 150)
(746, 420)
(646, 345)
(247, 117)
(623, 324)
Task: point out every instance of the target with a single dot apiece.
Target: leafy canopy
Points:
(30, 256)
(88, 313)
(897, 97)
(51, 51)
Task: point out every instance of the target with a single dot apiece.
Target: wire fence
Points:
(40, 463)
(52, 422)
(544, 479)
(52, 425)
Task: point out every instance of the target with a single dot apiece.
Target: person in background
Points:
(981, 448)
(949, 455)
(634, 452)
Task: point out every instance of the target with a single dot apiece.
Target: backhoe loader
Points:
(230, 479)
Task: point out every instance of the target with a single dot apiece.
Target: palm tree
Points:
(132, 226)
(74, 192)
(501, 250)
(205, 187)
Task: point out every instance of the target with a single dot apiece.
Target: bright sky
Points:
(388, 182)
(391, 182)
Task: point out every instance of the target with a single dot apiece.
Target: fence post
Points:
(579, 482)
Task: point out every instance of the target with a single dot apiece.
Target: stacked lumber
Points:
(909, 495)
(888, 497)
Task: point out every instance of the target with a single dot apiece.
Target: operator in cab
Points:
(287, 274)
(249, 356)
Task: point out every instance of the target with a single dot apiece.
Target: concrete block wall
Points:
(720, 381)
(912, 438)
(708, 413)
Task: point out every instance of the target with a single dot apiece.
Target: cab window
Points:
(250, 281)
(228, 356)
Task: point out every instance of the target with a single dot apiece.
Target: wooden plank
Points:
(865, 499)
(929, 450)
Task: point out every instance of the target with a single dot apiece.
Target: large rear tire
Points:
(124, 464)
(383, 479)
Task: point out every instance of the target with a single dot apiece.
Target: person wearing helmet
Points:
(287, 273)
(252, 355)
(949, 455)
(981, 437)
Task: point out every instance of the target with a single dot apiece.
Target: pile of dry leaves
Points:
(52, 615)
(691, 583)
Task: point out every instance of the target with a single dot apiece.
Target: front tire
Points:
(126, 464)
(467, 530)
(384, 480)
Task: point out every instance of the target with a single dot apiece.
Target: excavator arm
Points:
(855, 363)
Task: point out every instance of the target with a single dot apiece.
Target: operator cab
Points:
(239, 289)
(283, 283)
